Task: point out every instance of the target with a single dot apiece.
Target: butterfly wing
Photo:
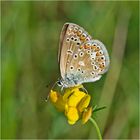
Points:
(72, 36)
(81, 58)
(91, 62)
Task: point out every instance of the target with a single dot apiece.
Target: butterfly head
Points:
(62, 83)
(68, 82)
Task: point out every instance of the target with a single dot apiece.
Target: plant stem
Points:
(96, 127)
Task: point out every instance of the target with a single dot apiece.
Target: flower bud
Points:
(86, 115)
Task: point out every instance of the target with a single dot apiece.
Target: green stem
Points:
(97, 128)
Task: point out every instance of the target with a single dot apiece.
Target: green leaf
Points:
(95, 109)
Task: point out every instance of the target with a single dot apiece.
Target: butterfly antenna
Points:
(47, 98)
(54, 85)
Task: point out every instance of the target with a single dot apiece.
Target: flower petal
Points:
(60, 104)
(72, 115)
(53, 96)
(75, 98)
(57, 100)
(70, 91)
(84, 103)
(86, 115)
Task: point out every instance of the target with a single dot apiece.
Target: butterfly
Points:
(82, 58)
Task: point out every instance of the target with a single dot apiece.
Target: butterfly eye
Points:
(59, 83)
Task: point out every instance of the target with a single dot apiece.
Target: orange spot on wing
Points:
(82, 37)
(79, 32)
(81, 47)
(86, 47)
(98, 54)
(93, 47)
(97, 49)
(101, 66)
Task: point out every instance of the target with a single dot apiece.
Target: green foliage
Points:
(29, 44)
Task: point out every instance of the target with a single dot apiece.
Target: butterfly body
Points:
(82, 59)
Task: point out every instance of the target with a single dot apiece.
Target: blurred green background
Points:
(30, 37)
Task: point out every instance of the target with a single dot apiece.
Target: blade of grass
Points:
(98, 109)
(115, 68)
(118, 124)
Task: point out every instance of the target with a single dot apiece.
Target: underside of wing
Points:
(82, 59)
(71, 38)
(88, 63)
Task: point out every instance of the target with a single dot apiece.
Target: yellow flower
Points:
(74, 97)
(84, 103)
(74, 103)
(86, 115)
(57, 100)
(53, 96)
(72, 115)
